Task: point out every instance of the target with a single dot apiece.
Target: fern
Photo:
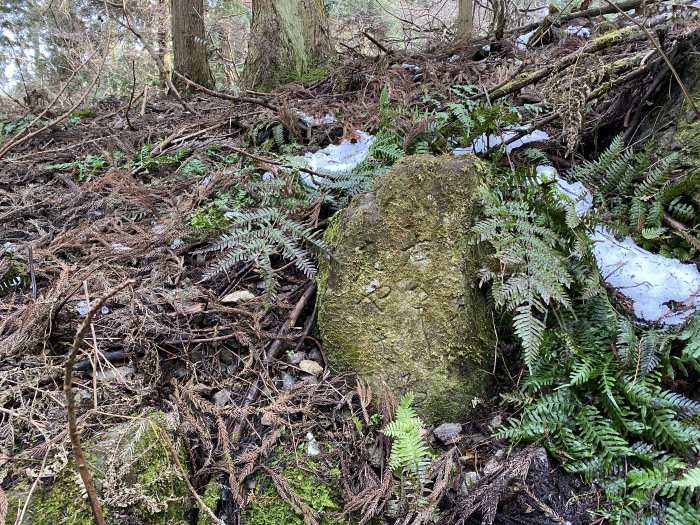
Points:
(593, 393)
(637, 194)
(409, 452)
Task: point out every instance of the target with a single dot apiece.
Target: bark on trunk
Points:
(465, 20)
(287, 38)
(189, 42)
(162, 40)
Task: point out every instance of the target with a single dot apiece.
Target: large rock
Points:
(398, 302)
(134, 474)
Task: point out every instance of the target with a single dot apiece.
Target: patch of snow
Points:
(9, 247)
(580, 31)
(411, 67)
(649, 280)
(335, 159)
(119, 247)
(312, 446)
(83, 307)
(486, 49)
(311, 120)
(485, 142)
(522, 41)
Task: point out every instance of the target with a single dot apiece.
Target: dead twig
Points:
(654, 42)
(73, 430)
(226, 96)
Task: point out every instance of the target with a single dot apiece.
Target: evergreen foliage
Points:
(594, 395)
(635, 193)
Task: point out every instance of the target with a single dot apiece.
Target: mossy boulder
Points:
(135, 476)
(398, 301)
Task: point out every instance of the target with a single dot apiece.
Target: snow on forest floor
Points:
(663, 290)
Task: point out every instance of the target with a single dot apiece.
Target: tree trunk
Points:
(162, 41)
(465, 20)
(189, 42)
(287, 39)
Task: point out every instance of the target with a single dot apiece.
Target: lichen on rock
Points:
(398, 300)
(134, 475)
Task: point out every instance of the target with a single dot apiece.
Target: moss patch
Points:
(398, 303)
(311, 482)
(134, 475)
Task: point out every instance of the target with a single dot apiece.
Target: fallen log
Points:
(628, 34)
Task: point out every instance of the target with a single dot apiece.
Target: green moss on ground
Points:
(312, 483)
(146, 488)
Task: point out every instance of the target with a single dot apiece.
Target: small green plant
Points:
(594, 391)
(194, 167)
(410, 455)
(637, 195)
(258, 236)
(210, 218)
(83, 169)
(146, 161)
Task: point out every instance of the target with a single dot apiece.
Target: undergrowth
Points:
(640, 196)
(596, 393)
(410, 456)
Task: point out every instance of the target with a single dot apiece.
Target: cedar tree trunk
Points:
(465, 20)
(189, 42)
(287, 39)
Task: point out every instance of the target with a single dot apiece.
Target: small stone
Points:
(222, 397)
(83, 307)
(448, 433)
(121, 373)
(296, 357)
(311, 367)
(495, 422)
(227, 356)
(177, 243)
(312, 446)
(238, 296)
(288, 381)
(469, 481)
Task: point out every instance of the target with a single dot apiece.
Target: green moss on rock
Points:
(399, 302)
(134, 475)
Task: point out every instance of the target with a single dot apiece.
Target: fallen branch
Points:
(73, 430)
(628, 5)
(271, 354)
(226, 96)
(273, 162)
(682, 229)
(628, 34)
(654, 42)
(377, 43)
